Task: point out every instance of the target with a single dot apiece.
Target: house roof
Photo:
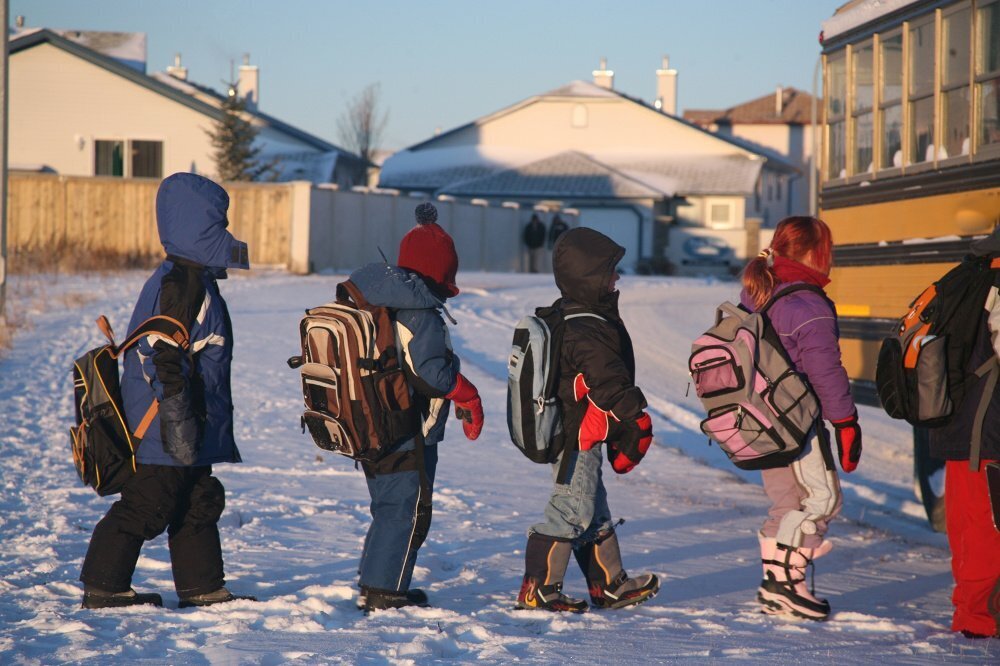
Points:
(720, 174)
(182, 92)
(796, 110)
(567, 175)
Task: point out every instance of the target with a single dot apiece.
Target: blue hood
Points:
(392, 287)
(191, 218)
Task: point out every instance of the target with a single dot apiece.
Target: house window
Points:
(921, 94)
(721, 215)
(862, 116)
(836, 102)
(988, 74)
(147, 159)
(956, 36)
(109, 158)
(890, 116)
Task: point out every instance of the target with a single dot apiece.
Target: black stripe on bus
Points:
(865, 328)
(959, 178)
(899, 252)
(865, 392)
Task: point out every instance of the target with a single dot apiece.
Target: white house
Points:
(779, 122)
(81, 103)
(673, 194)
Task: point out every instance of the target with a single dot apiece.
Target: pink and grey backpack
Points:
(760, 410)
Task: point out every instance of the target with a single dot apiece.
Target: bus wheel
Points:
(928, 479)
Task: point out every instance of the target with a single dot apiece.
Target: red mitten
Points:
(848, 434)
(628, 450)
(468, 406)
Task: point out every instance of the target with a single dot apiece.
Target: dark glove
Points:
(468, 406)
(180, 429)
(848, 434)
(631, 441)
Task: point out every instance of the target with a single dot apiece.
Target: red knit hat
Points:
(427, 249)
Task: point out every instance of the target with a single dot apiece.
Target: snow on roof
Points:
(722, 174)
(570, 174)
(314, 167)
(128, 48)
(580, 89)
(859, 12)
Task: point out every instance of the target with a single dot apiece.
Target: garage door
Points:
(620, 225)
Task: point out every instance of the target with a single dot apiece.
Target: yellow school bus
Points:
(909, 167)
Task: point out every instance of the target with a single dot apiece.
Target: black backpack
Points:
(104, 445)
(922, 372)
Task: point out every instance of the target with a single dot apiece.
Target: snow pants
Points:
(578, 509)
(975, 550)
(401, 518)
(186, 502)
(805, 496)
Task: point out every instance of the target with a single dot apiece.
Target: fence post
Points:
(752, 225)
(4, 53)
(299, 259)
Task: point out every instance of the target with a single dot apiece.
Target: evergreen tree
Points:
(236, 157)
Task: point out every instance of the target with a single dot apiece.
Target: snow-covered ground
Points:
(296, 515)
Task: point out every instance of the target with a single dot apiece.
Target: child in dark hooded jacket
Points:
(601, 404)
(805, 494)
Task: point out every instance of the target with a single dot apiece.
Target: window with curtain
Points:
(988, 74)
(956, 39)
(921, 94)
(890, 116)
(836, 114)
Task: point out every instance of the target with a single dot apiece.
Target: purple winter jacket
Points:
(807, 326)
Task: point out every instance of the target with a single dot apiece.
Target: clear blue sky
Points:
(442, 63)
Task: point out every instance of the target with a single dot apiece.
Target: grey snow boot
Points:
(610, 586)
(96, 598)
(219, 596)
(545, 562)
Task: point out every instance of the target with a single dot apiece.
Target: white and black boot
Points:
(783, 589)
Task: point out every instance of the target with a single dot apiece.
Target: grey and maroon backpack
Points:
(760, 409)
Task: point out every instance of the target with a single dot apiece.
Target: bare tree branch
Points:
(362, 123)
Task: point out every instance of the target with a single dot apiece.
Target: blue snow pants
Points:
(399, 524)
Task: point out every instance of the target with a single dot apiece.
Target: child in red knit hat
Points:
(428, 250)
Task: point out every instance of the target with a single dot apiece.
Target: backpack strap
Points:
(791, 289)
(991, 370)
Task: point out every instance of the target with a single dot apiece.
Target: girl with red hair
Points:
(805, 494)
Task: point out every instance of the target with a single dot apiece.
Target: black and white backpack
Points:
(534, 414)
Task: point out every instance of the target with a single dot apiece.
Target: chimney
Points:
(177, 70)
(779, 101)
(19, 22)
(248, 86)
(604, 77)
(666, 88)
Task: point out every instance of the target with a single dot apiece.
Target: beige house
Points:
(779, 122)
(82, 104)
(673, 194)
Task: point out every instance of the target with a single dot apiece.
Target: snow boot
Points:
(783, 589)
(97, 598)
(372, 599)
(610, 586)
(546, 559)
(219, 596)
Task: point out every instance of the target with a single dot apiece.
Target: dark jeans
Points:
(186, 502)
(399, 523)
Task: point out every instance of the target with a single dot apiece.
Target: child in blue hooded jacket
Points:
(173, 489)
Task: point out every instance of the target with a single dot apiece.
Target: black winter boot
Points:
(546, 559)
(95, 598)
(610, 586)
(372, 599)
(219, 596)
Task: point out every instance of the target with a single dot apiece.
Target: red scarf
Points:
(789, 270)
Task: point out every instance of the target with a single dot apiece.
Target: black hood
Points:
(583, 262)
(987, 246)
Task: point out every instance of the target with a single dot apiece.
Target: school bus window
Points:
(862, 65)
(891, 100)
(956, 36)
(921, 70)
(836, 106)
(988, 74)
